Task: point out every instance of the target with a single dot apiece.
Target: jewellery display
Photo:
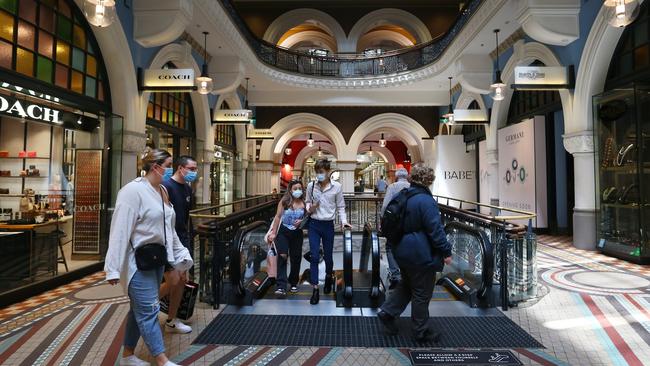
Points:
(622, 153)
(622, 173)
(87, 201)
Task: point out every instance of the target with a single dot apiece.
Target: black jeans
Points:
(416, 287)
(288, 244)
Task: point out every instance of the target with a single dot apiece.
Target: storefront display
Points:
(222, 167)
(622, 135)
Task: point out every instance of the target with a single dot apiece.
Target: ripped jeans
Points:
(142, 319)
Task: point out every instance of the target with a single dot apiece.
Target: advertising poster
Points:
(522, 168)
(455, 170)
(483, 176)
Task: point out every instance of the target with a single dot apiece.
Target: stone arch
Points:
(369, 39)
(315, 38)
(296, 124)
(385, 16)
(524, 54)
(297, 17)
(384, 152)
(180, 55)
(240, 130)
(406, 128)
(464, 100)
(307, 151)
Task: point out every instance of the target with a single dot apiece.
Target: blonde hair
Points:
(422, 175)
(150, 157)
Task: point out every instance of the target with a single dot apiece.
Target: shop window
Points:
(224, 135)
(170, 108)
(632, 56)
(39, 33)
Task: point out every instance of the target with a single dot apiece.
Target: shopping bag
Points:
(272, 262)
(188, 300)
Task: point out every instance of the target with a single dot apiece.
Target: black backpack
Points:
(392, 222)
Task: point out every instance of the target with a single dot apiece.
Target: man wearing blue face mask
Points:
(179, 187)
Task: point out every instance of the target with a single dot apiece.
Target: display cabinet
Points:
(621, 142)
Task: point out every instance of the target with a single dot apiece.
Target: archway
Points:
(388, 16)
(297, 17)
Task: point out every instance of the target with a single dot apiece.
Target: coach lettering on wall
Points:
(23, 109)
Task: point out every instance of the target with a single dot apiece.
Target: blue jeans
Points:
(321, 230)
(393, 267)
(142, 318)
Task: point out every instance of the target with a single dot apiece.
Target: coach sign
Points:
(167, 79)
(233, 116)
(23, 109)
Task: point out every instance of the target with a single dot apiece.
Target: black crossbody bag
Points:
(152, 256)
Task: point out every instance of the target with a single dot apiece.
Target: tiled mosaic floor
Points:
(596, 312)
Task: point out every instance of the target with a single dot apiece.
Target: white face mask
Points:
(297, 194)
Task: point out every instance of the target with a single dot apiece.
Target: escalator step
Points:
(358, 331)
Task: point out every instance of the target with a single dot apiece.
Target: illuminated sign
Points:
(259, 134)
(470, 116)
(167, 79)
(23, 109)
(543, 77)
(233, 116)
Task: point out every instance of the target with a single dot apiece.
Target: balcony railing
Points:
(352, 65)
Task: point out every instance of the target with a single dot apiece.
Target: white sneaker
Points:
(176, 326)
(133, 361)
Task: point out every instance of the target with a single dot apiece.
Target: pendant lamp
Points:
(498, 87)
(100, 13)
(620, 13)
(450, 111)
(204, 82)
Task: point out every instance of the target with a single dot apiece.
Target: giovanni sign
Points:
(522, 168)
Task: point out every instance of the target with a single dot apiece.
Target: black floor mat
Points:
(358, 331)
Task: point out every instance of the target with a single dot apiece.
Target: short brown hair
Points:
(422, 175)
(322, 164)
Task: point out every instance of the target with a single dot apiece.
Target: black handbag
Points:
(152, 256)
(186, 308)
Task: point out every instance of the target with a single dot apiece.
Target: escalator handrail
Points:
(366, 248)
(376, 257)
(487, 254)
(347, 264)
(235, 255)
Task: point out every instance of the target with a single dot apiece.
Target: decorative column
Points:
(276, 177)
(581, 146)
(346, 177)
(239, 178)
(262, 177)
(133, 145)
(202, 194)
(250, 178)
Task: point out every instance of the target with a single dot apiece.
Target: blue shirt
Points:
(381, 185)
(290, 215)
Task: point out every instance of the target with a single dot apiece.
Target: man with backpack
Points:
(412, 219)
(393, 189)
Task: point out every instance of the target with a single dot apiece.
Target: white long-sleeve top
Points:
(138, 219)
(331, 200)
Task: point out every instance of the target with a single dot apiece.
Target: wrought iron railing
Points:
(352, 65)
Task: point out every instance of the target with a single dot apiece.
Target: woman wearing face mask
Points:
(287, 235)
(324, 200)
(143, 216)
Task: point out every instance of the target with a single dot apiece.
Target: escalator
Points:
(470, 276)
(362, 287)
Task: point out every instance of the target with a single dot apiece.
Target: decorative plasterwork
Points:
(553, 22)
(476, 24)
(579, 142)
(159, 22)
(509, 42)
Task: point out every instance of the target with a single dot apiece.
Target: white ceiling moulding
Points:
(474, 73)
(220, 21)
(554, 22)
(159, 22)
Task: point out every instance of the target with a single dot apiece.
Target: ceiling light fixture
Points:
(320, 152)
(498, 87)
(370, 150)
(620, 13)
(450, 111)
(310, 141)
(382, 141)
(288, 151)
(204, 81)
(100, 13)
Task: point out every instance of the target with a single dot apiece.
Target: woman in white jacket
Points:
(141, 207)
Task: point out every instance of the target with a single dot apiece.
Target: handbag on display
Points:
(4, 190)
(23, 173)
(22, 154)
(31, 154)
(188, 300)
(4, 154)
(5, 173)
(33, 173)
(26, 204)
(152, 256)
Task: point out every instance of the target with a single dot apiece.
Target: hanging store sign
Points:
(233, 116)
(470, 116)
(259, 134)
(166, 80)
(22, 109)
(455, 169)
(543, 78)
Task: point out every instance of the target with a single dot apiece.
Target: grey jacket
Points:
(392, 191)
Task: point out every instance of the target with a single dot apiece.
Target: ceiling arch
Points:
(296, 17)
(388, 16)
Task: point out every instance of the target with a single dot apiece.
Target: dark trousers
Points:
(416, 287)
(185, 239)
(288, 244)
(321, 230)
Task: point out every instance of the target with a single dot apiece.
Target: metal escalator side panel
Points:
(347, 264)
(247, 254)
(366, 244)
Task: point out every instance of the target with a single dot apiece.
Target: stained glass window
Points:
(172, 108)
(224, 135)
(50, 40)
(632, 56)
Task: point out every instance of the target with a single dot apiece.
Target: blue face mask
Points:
(168, 174)
(190, 176)
(297, 194)
(320, 177)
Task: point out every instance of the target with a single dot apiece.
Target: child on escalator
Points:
(288, 237)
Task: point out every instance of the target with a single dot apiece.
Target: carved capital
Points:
(579, 142)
